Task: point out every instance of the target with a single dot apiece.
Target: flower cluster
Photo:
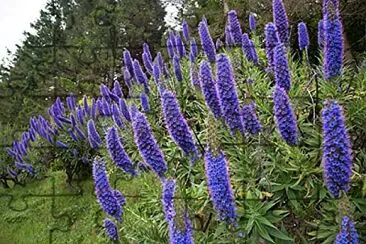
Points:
(234, 26)
(117, 152)
(111, 229)
(228, 95)
(219, 186)
(281, 21)
(284, 116)
(176, 124)
(93, 136)
(281, 68)
(250, 120)
(337, 157)
(146, 143)
(303, 36)
(209, 90)
(348, 233)
(207, 43)
(272, 40)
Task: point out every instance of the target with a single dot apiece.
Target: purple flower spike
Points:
(170, 48)
(116, 115)
(86, 105)
(156, 73)
(303, 36)
(145, 102)
(147, 144)
(104, 191)
(127, 59)
(12, 173)
(177, 125)
(104, 91)
(27, 167)
(281, 68)
(284, 116)
(333, 47)
(160, 60)
(117, 152)
(146, 49)
(147, 62)
(71, 103)
(120, 198)
(180, 46)
(194, 48)
(93, 136)
(249, 49)
(348, 233)
(321, 34)
(252, 23)
(209, 90)
(117, 89)
(111, 229)
(61, 144)
(250, 120)
(124, 109)
(228, 95)
(127, 78)
(272, 40)
(185, 31)
(219, 186)
(140, 76)
(167, 200)
(281, 21)
(80, 133)
(337, 156)
(228, 38)
(179, 235)
(208, 45)
(177, 68)
(234, 26)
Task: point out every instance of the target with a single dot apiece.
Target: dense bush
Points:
(240, 139)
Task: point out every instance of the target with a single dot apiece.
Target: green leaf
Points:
(279, 234)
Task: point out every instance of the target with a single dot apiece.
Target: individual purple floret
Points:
(177, 125)
(144, 102)
(252, 22)
(170, 48)
(140, 76)
(124, 109)
(281, 21)
(333, 47)
(250, 120)
(127, 59)
(147, 62)
(116, 115)
(281, 68)
(219, 44)
(167, 199)
(321, 34)
(62, 145)
(209, 90)
(303, 36)
(93, 136)
(194, 48)
(104, 191)
(337, 156)
(234, 26)
(272, 41)
(146, 143)
(284, 116)
(117, 152)
(228, 38)
(219, 186)
(177, 68)
(348, 233)
(111, 229)
(228, 95)
(71, 103)
(185, 30)
(29, 168)
(208, 45)
(180, 46)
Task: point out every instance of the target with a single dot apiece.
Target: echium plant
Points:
(281, 67)
(281, 21)
(272, 40)
(207, 43)
(303, 36)
(348, 233)
(234, 26)
(111, 229)
(337, 158)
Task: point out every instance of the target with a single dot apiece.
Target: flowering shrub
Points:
(261, 148)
